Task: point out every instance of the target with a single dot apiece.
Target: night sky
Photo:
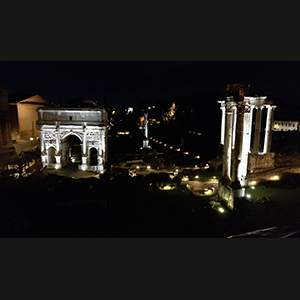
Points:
(134, 82)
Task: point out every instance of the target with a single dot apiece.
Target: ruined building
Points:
(242, 148)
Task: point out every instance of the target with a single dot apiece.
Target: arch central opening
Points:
(71, 150)
(75, 155)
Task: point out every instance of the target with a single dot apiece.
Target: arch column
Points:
(84, 152)
(58, 164)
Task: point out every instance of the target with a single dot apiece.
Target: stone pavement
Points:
(72, 171)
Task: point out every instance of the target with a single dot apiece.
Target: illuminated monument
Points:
(89, 125)
(146, 140)
(236, 139)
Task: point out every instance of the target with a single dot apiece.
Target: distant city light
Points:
(137, 167)
(171, 147)
(276, 177)
(165, 145)
(185, 153)
(177, 149)
(198, 156)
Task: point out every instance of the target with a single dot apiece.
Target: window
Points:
(70, 118)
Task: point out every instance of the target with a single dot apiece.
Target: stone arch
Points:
(93, 156)
(51, 152)
(68, 133)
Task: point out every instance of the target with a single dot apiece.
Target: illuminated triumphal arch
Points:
(88, 126)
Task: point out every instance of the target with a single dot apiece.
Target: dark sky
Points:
(133, 82)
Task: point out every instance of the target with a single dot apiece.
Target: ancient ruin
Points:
(88, 125)
(146, 139)
(236, 138)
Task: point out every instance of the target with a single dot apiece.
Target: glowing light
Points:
(148, 167)
(31, 139)
(214, 177)
(252, 187)
(252, 182)
(248, 196)
(177, 149)
(185, 153)
(171, 147)
(176, 170)
(276, 177)
(196, 176)
(221, 210)
(198, 156)
(56, 167)
(167, 187)
(165, 145)
(160, 142)
(137, 167)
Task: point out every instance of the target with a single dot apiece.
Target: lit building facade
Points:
(89, 125)
(285, 125)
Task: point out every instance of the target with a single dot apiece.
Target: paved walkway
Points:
(72, 171)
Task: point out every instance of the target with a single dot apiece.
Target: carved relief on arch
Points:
(92, 136)
(49, 135)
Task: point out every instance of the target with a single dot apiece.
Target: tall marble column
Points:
(234, 126)
(238, 142)
(256, 142)
(250, 128)
(226, 171)
(247, 124)
(222, 123)
(268, 133)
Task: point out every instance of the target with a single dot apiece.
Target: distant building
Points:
(24, 117)
(5, 121)
(285, 126)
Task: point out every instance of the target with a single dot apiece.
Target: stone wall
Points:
(261, 162)
(226, 194)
